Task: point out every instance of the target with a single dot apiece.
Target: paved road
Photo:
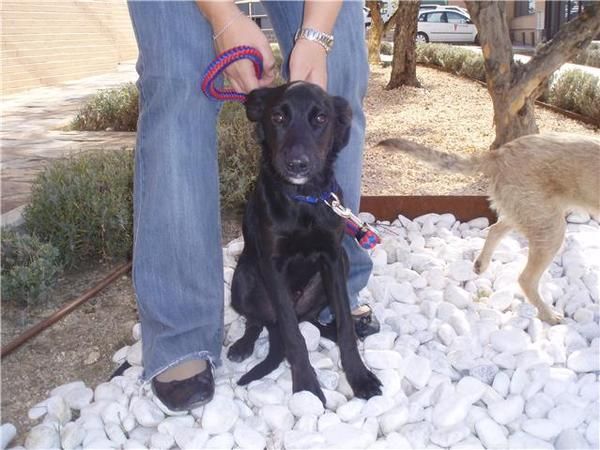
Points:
(32, 131)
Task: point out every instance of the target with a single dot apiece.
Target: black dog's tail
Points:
(271, 362)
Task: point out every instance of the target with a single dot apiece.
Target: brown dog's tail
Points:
(442, 160)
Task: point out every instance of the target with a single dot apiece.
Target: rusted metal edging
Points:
(41, 326)
(464, 207)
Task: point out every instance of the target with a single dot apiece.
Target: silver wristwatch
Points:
(310, 34)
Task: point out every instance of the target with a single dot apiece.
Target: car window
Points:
(455, 18)
(423, 18)
(436, 17)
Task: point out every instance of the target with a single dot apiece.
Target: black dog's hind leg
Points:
(244, 346)
(304, 377)
(363, 382)
(271, 362)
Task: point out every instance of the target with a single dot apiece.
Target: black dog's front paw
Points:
(365, 385)
(240, 350)
(310, 384)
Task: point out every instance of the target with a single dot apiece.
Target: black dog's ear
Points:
(343, 114)
(255, 103)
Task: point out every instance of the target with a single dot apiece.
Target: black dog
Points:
(293, 263)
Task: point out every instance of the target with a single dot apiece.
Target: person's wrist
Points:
(314, 47)
(316, 37)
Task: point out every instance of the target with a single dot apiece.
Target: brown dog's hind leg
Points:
(543, 246)
(495, 234)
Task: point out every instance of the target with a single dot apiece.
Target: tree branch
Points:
(572, 37)
(391, 21)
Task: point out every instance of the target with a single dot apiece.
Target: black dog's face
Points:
(302, 128)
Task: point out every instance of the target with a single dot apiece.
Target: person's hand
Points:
(243, 31)
(308, 62)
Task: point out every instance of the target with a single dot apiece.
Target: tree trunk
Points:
(375, 32)
(404, 63)
(514, 86)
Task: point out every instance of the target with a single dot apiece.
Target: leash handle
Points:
(220, 63)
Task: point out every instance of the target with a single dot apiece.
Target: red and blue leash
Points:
(365, 235)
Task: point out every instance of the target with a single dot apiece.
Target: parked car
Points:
(459, 9)
(442, 25)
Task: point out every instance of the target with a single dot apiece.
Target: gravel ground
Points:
(449, 113)
(463, 360)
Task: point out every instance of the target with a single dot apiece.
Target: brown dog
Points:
(533, 182)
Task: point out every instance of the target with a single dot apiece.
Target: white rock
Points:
(115, 413)
(328, 379)
(394, 419)
(134, 355)
(446, 334)
(115, 433)
(383, 359)
(567, 416)
(417, 371)
(350, 410)
(570, 439)
(450, 411)
(511, 341)
(391, 380)
(142, 434)
(161, 441)
(457, 296)
(501, 299)
(220, 415)
(586, 360)
(121, 355)
(461, 270)
(311, 335)
(508, 410)
(265, 392)
(491, 434)
(447, 437)
(403, 292)
(136, 331)
(305, 403)
(277, 417)
(545, 429)
(308, 424)
(479, 222)
(334, 399)
(471, 388)
(326, 420)
(38, 410)
(592, 432)
(539, 405)
(146, 412)
(223, 441)
(246, 437)
(384, 340)
(42, 437)
(79, 397)
(7, 434)
(57, 407)
(484, 373)
(377, 406)
(171, 424)
(132, 444)
(188, 437)
(397, 441)
(578, 217)
(295, 439)
(107, 391)
(346, 436)
(64, 389)
(525, 440)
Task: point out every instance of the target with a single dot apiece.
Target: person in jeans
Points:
(177, 260)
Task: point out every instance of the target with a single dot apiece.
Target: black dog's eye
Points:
(321, 119)
(277, 117)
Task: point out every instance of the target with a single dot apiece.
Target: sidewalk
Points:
(32, 130)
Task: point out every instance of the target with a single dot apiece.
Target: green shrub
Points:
(387, 48)
(459, 61)
(473, 67)
(238, 156)
(589, 56)
(29, 268)
(578, 91)
(83, 206)
(115, 109)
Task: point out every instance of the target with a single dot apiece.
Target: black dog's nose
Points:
(298, 165)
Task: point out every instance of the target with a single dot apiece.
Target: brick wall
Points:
(45, 42)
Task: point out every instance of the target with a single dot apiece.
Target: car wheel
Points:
(421, 38)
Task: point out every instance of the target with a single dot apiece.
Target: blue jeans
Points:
(177, 260)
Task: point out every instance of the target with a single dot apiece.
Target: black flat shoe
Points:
(183, 395)
(365, 324)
